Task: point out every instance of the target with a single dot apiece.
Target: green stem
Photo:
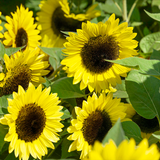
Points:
(140, 32)
(125, 18)
(51, 77)
(119, 8)
(93, 1)
(131, 10)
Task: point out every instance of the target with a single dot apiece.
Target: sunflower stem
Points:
(119, 8)
(51, 78)
(125, 18)
(93, 1)
(131, 10)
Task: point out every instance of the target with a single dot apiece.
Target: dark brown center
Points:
(97, 50)
(20, 75)
(61, 23)
(96, 126)
(21, 38)
(30, 122)
(146, 125)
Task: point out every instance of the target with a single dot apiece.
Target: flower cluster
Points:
(75, 84)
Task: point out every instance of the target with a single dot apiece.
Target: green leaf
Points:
(66, 113)
(55, 55)
(145, 66)
(10, 51)
(4, 103)
(148, 43)
(3, 132)
(155, 55)
(11, 156)
(2, 50)
(53, 52)
(144, 94)
(110, 7)
(155, 16)
(116, 133)
(154, 138)
(132, 130)
(65, 88)
(121, 91)
(65, 145)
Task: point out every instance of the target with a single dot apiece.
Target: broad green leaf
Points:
(66, 113)
(53, 52)
(156, 134)
(155, 55)
(3, 132)
(154, 138)
(10, 51)
(148, 43)
(66, 89)
(143, 92)
(145, 66)
(64, 147)
(54, 63)
(121, 91)
(11, 156)
(110, 7)
(2, 50)
(4, 103)
(155, 16)
(132, 130)
(116, 133)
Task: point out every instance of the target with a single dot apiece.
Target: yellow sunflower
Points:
(1, 28)
(22, 68)
(94, 120)
(147, 126)
(34, 120)
(21, 29)
(55, 17)
(127, 150)
(87, 50)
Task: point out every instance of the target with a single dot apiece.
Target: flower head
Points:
(87, 52)
(33, 120)
(55, 17)
(94, 120)
(22, 68)
(21, 29)
(127, 150)
(147, 126)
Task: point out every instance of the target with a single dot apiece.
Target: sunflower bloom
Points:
(147, 126)
(127, 150)
(55, 17)
(94, 120)
(22, 68)
(21, 29)
(88, 50)
(34, 120)
(1, 28)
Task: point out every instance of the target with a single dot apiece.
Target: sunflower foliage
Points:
(80, 79)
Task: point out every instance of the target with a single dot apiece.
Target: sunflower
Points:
(87, 50)
(147, 126)
(22, 68)
(21, 29)
(127, 150)
(33, 120)
(94, 120)
(55, 17)
(1, 28)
